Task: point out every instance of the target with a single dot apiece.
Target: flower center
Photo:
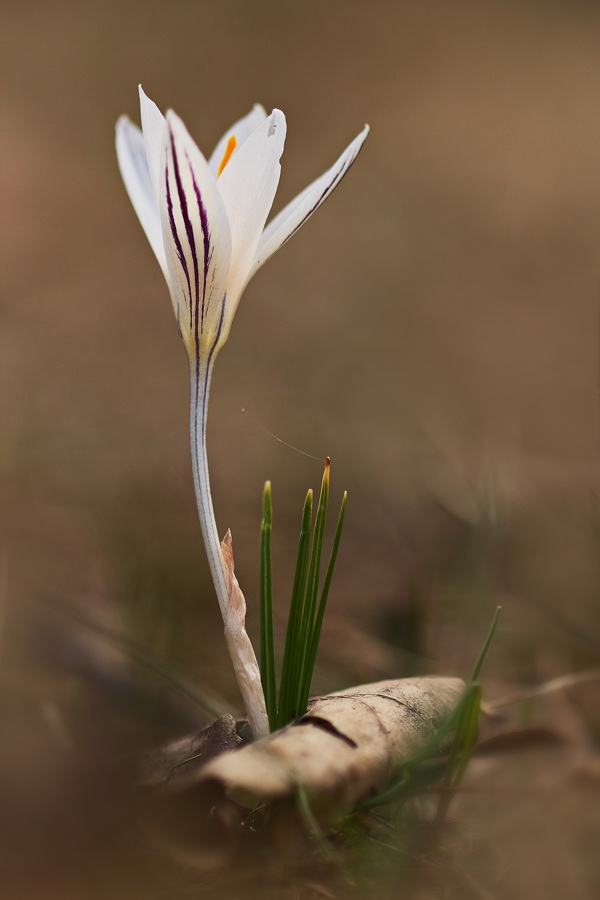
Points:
(231, 145)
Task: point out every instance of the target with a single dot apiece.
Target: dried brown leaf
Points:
(345, 749)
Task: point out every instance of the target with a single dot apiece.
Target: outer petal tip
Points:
(277, 122)
(149, 109)
(360, 139)
(134, 167)
(144, 98)
(122, 123)
(176, 126)
(178, 130)
(174, 122)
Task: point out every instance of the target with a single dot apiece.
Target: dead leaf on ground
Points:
(345, 749)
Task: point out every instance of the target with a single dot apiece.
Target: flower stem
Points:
(220, 559)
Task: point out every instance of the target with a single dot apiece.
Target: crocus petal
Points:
(296, 213)
(197, 241)
(241, 130)
(131, 154)
(247, 187)
(154, 128)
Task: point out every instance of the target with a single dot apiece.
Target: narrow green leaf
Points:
(463, 723)
(472, 697)
(486, 646)
(267, 651)
(312, 587)
(314, 829)
(469, 736)
(292, 657)
(428, 751)
(316, 632)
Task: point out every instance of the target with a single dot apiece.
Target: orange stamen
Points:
(231, 145)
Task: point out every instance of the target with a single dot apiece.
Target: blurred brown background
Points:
(434, 329)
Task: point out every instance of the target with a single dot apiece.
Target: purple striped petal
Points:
(296, 213)
(197, 238)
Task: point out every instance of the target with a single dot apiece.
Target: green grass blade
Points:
(463, 721)
(316, 632)
(469, 736)
(312, 587)
(429, 750)
(314, 829)
(267, 650)
(486, 646)
(292, 657)
(462, 748)
(473, 696)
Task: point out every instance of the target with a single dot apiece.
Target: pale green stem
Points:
(231, 601)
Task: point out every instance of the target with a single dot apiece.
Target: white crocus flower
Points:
(205, 221)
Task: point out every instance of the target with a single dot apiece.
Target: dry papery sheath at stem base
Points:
(345, 749)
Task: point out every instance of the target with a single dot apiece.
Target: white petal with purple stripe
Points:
(296, 213)
(196, 235)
